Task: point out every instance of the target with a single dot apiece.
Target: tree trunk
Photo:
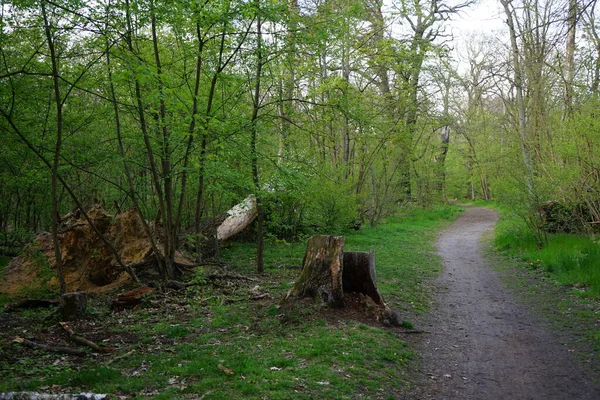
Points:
(57, 149)
(253, 151)
(570, 58)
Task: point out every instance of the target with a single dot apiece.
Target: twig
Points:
(84, 341)
(57, 349)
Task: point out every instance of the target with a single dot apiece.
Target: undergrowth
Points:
(571, 259)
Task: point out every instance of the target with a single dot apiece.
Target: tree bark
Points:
(253, 151)
(570, 57)
(359, 275)
(321, 276)
(57, 148)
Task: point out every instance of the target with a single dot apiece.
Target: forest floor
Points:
(485, 328)
(501, 332)
(232, 338)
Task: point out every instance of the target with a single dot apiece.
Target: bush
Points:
(300, 203)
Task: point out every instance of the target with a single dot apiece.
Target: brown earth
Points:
(481, 342)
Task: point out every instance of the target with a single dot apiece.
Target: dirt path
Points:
(483, 344)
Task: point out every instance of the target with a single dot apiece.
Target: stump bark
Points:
(359, 275)
(73, 305)
(328, 272)
(322, 269)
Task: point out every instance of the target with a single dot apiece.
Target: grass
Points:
(572, 260)
(213, 342)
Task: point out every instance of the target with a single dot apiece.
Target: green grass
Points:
(572, 260)
(274, 352)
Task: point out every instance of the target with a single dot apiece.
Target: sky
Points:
(485, 16)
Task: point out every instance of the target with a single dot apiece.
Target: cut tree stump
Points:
(321, 275)
(359, 275)
(328, 272)
(73, 305)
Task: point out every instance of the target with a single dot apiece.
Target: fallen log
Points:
(238, 219)
(81, 340)
(32, 303)
(132, 298)
(56, 349)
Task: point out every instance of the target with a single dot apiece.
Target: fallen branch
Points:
(32, 303)
(56, 349)
(212, 277)
(84, 341)
(415, 332)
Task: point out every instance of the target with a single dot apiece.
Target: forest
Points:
(133, 132)
(333, 114)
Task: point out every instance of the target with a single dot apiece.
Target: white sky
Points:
(485, 16)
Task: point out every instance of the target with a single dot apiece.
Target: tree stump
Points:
(328, 272)
(73, 305)
(359, 275)
(322, 268)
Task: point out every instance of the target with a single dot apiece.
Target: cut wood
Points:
(56, 349)
(82, 340)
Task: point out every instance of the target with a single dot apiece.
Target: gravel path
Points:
(482, 343)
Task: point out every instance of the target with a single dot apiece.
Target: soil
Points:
(480, 342)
